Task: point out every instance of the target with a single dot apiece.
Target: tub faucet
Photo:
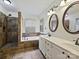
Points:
(77, 41)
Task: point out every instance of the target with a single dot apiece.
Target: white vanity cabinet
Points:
(48, 52)
(45, 47)
(53, 51)
(42, 45)
(58, 53)
(48, 47)
(71, 56)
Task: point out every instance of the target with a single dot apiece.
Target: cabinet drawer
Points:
(71, 56)
(60, 49)
(48, 51)
(48, 47)
(48, 44)
(48, 56)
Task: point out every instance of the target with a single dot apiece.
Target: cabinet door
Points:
(71, 56)
(58, 53)
(48, 48)
(42, 45)
(44, 48)
(48, 56)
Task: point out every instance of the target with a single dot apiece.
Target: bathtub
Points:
(30, 38)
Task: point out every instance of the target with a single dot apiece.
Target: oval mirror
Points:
(71, 18)
(53, 22)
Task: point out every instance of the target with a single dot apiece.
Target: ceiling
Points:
(30, 7)
(9, 8)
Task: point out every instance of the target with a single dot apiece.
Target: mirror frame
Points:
(74, 3)
(56, 24)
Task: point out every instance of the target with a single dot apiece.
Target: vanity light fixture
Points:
(50, 11)
(8, 2)
(48, 14)
(68, 0)
(63, 2)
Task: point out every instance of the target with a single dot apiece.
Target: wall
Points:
(32, 23)
(3, 10)
(44, 16)
(14, 14)
(60, 32)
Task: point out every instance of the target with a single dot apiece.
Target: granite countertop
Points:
(65, 44)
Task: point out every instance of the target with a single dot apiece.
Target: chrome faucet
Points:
(77, 41)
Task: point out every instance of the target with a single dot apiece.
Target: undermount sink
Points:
(72, 46)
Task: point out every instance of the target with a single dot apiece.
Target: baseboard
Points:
(42, 54)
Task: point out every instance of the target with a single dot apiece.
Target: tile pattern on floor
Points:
(35, 54)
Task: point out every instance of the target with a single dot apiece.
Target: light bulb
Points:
(62, 3)
(7, 2)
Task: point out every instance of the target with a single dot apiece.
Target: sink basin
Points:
(72, 46)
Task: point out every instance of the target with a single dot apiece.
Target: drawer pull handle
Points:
(63, 52)
(68, 56)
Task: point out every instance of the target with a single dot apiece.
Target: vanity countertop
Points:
(65, 44)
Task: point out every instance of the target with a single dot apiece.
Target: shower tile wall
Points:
(12, 30)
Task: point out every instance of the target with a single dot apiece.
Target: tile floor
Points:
(35, 54)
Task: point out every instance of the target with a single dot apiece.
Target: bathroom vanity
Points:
(57, 48)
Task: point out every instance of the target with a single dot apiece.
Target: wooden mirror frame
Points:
(50, 21)
(74, 3)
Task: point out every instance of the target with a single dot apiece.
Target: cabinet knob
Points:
(63, 52)
(68, 56)
(47, 49)
(47, 43)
